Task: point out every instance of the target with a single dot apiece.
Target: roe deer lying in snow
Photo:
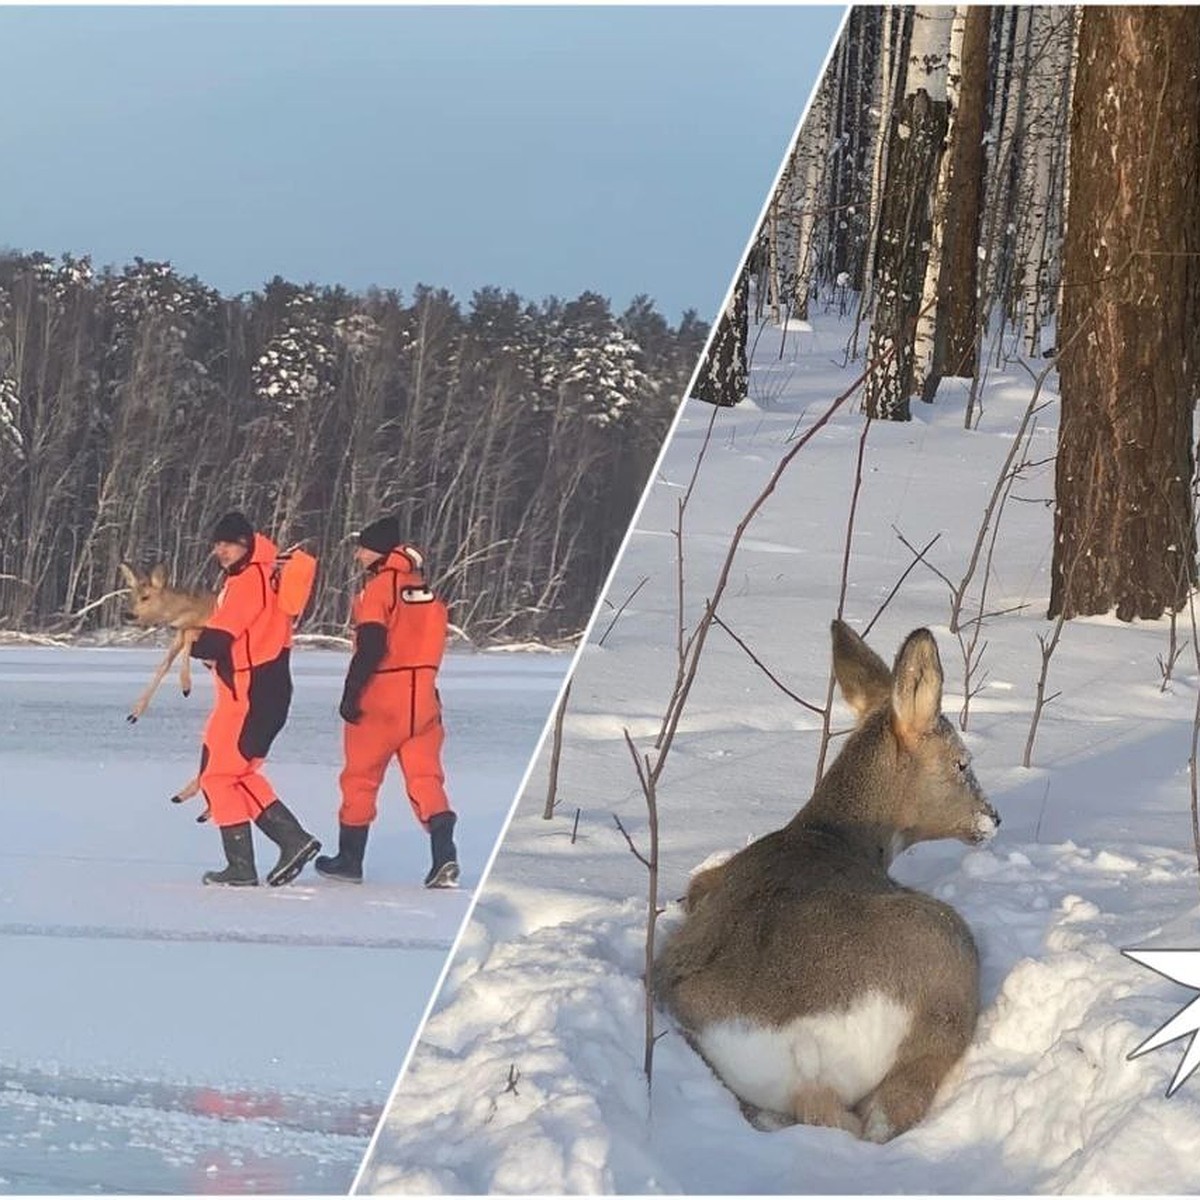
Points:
(815, 985)
(153, 603)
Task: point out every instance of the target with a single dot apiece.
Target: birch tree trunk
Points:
(723, 377)
(958, 305)
(903, 245)
(809, 182)
(925, 374)
(1041, 163)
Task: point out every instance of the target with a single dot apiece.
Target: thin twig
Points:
(827, 711)
(629, 841)
(766, 670)
(624, 605)
(918, 556)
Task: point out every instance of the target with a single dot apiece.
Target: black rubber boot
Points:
(444, 872)
(239, 853)
(296, 844)
(346, 865)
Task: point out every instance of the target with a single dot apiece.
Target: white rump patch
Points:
(850, 1051)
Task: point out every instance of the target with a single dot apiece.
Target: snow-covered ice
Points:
(528, 1075)
(160, 1036)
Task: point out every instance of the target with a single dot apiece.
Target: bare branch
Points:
(766, 670)
(624, 605)
(918, 556)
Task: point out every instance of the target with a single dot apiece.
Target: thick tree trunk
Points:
(723, 376)
(904, 232)
(1124, 536)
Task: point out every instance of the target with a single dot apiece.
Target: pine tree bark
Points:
(723, 377)
(1124, 537)
(905, 224)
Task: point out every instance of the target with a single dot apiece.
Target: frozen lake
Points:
(159, 1036)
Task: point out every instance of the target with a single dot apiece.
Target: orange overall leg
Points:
(234, 787)
(368, 747)
(420, 755)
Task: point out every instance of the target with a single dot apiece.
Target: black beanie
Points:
(382, 536)
(233, 527)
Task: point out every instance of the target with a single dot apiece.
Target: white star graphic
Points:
(1181, 966)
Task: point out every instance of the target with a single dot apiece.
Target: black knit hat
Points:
(233, 527)
(382, 536)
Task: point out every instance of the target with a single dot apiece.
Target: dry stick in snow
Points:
(682, 642)
(624, 604)
(972, 650)
(959, 593)
(827, 711)
(1166, 665)
(647, 779)
(556, 754)
(1048, 646)
(918, 557)
(767, 671)
(1193, 781)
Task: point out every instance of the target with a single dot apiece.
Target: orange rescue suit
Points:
(391, 702)
(248, 640)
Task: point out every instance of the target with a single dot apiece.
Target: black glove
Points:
(215, 646)
(370, 648)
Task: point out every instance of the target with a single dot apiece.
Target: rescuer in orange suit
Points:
(391, 706)
(248, 642)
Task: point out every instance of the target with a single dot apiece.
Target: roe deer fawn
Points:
(813, 984)
(153, 603)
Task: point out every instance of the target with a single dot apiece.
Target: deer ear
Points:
(129, 575)
(862, 675)
(158, 576)
(917, 692)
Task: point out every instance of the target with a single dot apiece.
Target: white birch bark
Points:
(810, 176)
(885, 101)
(1042, 165)
(927, 318)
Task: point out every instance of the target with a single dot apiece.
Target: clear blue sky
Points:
(546, 150)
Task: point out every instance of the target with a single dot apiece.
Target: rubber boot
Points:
(444, 872)
(239, 853)
(346, 865)
(296, 844)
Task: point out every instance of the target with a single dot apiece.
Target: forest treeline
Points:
(978, 187)
(512, 439)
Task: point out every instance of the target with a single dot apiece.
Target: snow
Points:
(527, 1077)
(203, 1039)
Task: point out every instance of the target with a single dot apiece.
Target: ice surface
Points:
(157, 1035)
